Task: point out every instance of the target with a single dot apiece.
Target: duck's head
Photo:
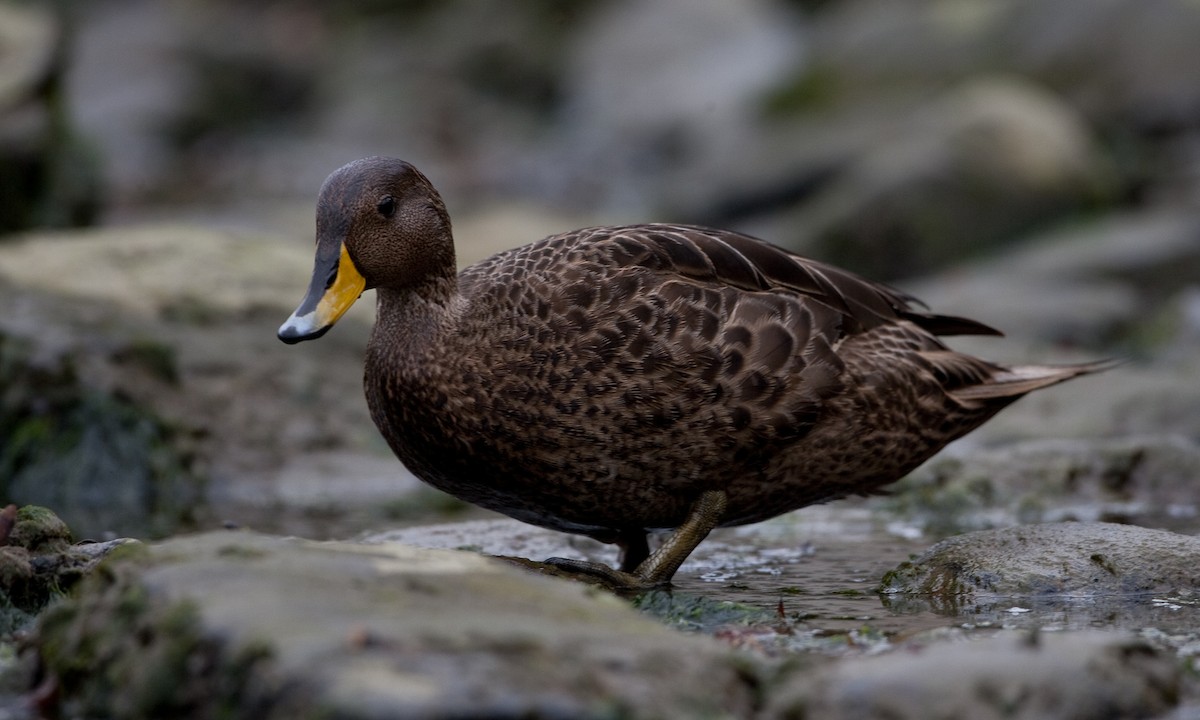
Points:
(380, 223)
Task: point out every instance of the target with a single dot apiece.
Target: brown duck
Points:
(612, 381)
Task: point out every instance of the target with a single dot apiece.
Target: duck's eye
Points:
(387, 206)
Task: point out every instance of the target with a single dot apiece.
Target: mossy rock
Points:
(27, 575)
(235, 624)
(39, 530)
(39, 564)
(99, 459)
(1066, 559)
(148, 658)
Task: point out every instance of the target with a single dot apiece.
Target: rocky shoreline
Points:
(246, 625)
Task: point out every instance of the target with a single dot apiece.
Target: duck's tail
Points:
(1013, 382)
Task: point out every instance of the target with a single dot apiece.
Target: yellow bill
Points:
(336, 284)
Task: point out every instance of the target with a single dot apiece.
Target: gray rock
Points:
(535, 101)
(1079, 675)
(499, 536)
(157, 270)
(1113, 63)
(973, 169)
(1126, 47)
(1084, 284)
(1063, 559)
(726, 551)
(1111, 58)
(245, 101)
(247, 625)
(179, 323)
(122, 102)
(701, 67)
(1143, 479)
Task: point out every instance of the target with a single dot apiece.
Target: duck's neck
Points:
(414, 318)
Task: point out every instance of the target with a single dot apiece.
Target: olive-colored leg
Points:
(706, 513)
(658, 569)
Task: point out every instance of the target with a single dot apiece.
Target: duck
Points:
(624, 381)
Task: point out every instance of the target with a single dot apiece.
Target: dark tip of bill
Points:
(291, 336)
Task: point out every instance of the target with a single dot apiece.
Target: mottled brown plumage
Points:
(615, 380)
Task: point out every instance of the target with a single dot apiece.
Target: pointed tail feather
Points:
(1016, 381)
(949, 324)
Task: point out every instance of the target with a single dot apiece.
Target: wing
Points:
(668, 328)
(732, 259)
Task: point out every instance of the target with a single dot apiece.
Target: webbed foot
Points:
(655, 571)
(618, 581)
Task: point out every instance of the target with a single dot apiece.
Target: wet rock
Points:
(499, 536)
(1142, 479)
(725, 551)
(976, 168)
(257, 626)
(1063, 559)
(1077, 675)
(801, 583)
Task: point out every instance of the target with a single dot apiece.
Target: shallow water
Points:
(822, 594)
(831, 587)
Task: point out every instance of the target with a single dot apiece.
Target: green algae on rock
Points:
(698, 613)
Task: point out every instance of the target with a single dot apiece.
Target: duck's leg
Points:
(657, 569)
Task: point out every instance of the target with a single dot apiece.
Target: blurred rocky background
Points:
(1033, 164)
